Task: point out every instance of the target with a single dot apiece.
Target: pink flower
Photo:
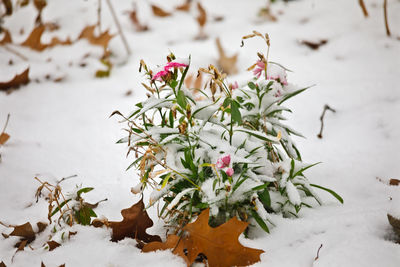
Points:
(173, 64)
(226, 160)
(165, 70)
(159, 75)
(223, 162)
(229, 172)
(235, 85)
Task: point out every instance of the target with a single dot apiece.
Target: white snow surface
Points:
(61, 129)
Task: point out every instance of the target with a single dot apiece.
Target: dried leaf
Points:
(21, 245)
(42, 264)
(33, 40)
(134, 224)
(53, 244)
(185, 7)
(159, 12)
(7, 38)
(202, 18)
(135, 21)
(2, 264)
(220, 245)
(395, 223)
(8, 6)
(18, 80)
(24, 230)
(227, 64)
(3, 138)
(391, 181)
(101, 40)
(41, 226)
(314, 45)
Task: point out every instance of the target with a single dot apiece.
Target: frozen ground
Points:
(61, 129)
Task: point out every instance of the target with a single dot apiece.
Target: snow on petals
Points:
(223, 162)
(274, 72)
(179, 63)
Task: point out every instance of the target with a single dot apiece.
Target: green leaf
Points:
(251, 85)
(259, 220)
(235, 113)
(181, 99)
(286, 97)
(83, 190)
(300, 172)
(265, 198)
(333, 193)
(291, 168)
(60, 207)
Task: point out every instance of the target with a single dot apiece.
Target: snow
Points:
(60, 129)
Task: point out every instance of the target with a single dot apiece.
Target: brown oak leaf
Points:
(220, 245)
(185, 6)
(7, 38)
(135, 21)
(33, 40)
(227, 64)
(134, 224)
(53, 244)
(159, 12)
(18, 80)
(314, 45)
(3, 138)
(101, 40)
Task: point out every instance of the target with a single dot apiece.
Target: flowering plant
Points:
(224, 147)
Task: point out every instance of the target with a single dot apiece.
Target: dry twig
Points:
(363, 7)
(386, 18)
(326, 107)
(316, 258)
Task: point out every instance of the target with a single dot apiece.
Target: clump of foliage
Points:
(224, 147)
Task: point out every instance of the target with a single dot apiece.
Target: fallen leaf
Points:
(314, 45)
(185, 6)
(2, 264)
(21, 245)
(33, 40)
(53, 244)
(391, 181)
(18, 80)
(227, 64)
(42, 264)
(202, 17)
(135, 21)
(220, 245)
(101, 40)
(3, 138)
(41, 226)
(159, 12)
(134, 224)
(194, 83)
(25, 231)
(265, 13)
(395, 223)
(8, 6)
(7, 38)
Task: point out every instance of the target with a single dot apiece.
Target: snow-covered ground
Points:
(61, 129)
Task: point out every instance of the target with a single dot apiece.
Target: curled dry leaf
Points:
(314, 45)
(159, 12)
(394, 182)
(4, 138)
(7, 38)
(185, 6)
(101, 40)
(53, 245)
(220, 245)
(135, 21)
(227, 64)
(17, 81)
(33, 40)
(134, 224)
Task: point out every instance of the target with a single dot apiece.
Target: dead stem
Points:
(363, 8)
(128, 50)
(386, 18)
(326, 107)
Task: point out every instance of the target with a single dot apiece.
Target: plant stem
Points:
(386, 18)
(128, 50)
